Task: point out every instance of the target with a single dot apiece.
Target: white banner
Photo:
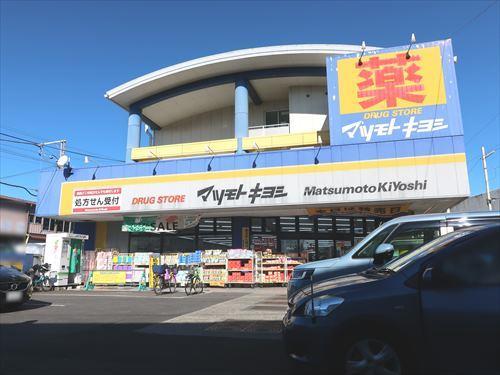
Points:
(439, 177)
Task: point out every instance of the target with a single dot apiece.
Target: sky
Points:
(58, 58)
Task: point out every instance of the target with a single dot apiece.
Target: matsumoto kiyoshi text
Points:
(381, 187)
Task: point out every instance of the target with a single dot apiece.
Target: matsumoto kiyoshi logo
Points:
(388, 128)
(381, 187)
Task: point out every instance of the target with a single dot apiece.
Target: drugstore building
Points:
(303, 149)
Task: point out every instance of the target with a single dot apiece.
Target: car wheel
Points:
(372, 356)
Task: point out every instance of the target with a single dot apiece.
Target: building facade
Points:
(249, 149)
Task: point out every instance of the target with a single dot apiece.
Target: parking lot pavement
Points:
(106, 332)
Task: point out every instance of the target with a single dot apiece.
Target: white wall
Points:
(308, 108)
(308, 112)
(217, 124)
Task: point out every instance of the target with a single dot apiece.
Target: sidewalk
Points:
(255, 315)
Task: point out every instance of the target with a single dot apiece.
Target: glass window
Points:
(66, 226)
(342, 247)
(256, 223)
(270, 225)
(272, 118)
(370, 225)
(206, 225)
(38, 219)
(307, 250)
(145, 243)
(31, 218)
(325, 249)
(306, 224)
(358, 226)
(368, 250)
(46, 224)
(173, 243)
(262, 242)
(476, 262)
(278, 117)
(325, 225)
(215, 242)
(412, 235)
(290, 247)
(284, 117)
(287, 224)
(223, 224)
(342, 225)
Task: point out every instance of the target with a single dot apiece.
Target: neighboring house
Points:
(478, 203)
(20, 226)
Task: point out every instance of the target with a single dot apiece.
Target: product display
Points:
(216, 267)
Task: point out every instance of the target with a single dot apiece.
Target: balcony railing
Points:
(264, 130)
(227, 146)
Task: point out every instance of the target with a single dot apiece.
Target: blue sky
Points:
(59, 58)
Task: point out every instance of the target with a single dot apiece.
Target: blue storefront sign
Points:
(390, 95)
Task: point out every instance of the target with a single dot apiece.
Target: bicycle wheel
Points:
(188, 288)
(45, 285)
(172, 285)
(158, 286)
(198, 286)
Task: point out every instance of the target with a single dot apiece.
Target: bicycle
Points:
(193, 282)
(164, 277)
(41, 282)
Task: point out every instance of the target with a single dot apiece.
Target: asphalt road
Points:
(103, 332)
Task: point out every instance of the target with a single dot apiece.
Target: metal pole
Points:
(485, 169)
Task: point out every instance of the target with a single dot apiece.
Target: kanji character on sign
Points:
(389, 80)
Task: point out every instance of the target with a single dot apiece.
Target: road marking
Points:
(55, 305)
(123, 296)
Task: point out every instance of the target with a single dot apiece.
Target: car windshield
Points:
(440, 242)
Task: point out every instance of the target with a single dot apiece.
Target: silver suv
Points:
(389, 241)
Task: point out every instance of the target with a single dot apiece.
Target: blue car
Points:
(433, 311)
(391, 240)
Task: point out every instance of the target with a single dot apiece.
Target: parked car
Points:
(15, 286)
(435, 310)
(391, 240)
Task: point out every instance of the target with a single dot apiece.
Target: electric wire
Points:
(20, 187)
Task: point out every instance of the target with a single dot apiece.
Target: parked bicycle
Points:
(39, 277)
(194, 285)
(164, 278)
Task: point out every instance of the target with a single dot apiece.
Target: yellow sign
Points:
(245, 238)
(109, 277)
(391, 80)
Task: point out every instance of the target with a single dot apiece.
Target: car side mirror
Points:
(427, 277)
(383, 254)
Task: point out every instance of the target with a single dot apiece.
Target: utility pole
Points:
(486, 180)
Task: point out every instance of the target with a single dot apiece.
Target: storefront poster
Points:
(169, 224)
(109, 277)
(390, 95)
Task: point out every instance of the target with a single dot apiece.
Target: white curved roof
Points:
(297, 55)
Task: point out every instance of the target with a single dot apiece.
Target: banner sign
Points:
(382, 211)
(347, 183)
(109, 277)
(390, 95)
(169, 224)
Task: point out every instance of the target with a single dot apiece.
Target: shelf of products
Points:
(240, 267)
(214, 267)
(276, 269)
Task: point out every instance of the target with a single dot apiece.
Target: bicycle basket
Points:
(159, 269)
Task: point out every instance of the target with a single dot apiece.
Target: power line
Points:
(482, 128)
(10, 152)
(67, 150)
(473, 19)
(20, 187)
(25, 173)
